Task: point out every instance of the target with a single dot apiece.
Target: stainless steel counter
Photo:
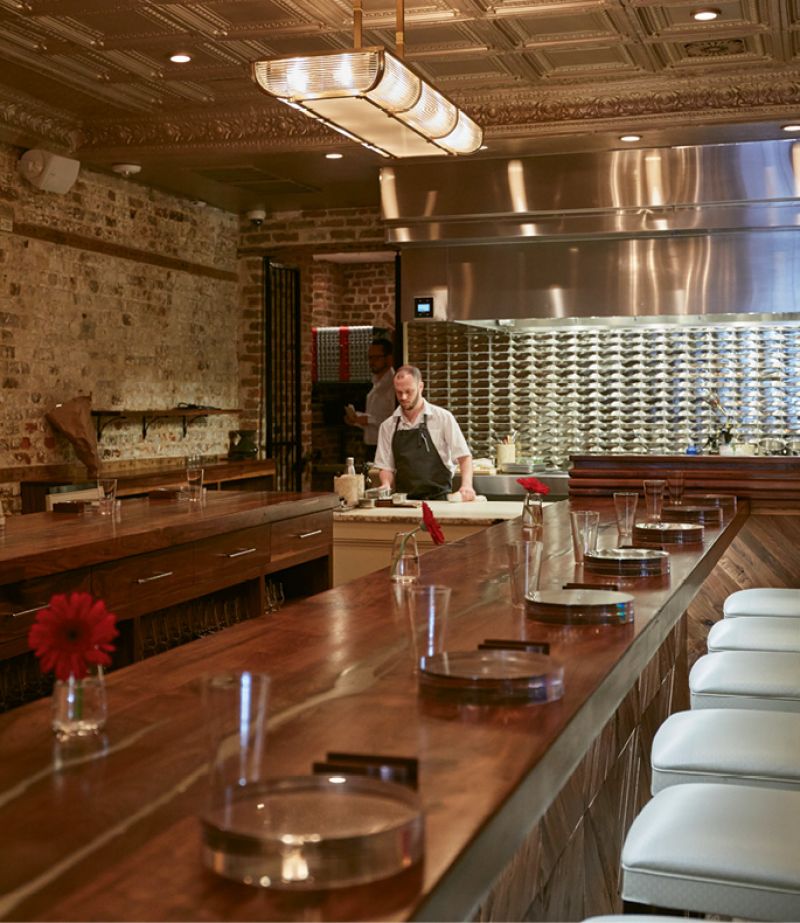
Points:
(505, 486)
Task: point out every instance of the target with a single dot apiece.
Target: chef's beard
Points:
(407, 408)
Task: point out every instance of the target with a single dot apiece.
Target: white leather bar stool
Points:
(727, 745)
(746, 679)
(751, 633)
(770, 601)
(731, 850)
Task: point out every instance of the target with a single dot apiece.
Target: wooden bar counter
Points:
(166, 567)
(136, 479)
(526, 806)
(769, 482)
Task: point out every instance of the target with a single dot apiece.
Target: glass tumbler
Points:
(654, 499)
(524, 566)
(625, 503)
(425, 610)
(675, 487)
(583, 524)
(107, 491)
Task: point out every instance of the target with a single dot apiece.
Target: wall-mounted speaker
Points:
(49, 172)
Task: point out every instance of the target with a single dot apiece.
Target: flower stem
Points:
(78, 708)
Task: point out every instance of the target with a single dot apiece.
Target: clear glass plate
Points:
(315, 832)
(492, 676)
(572, 607)
(692, 513)
(668, 532)
(641, 562)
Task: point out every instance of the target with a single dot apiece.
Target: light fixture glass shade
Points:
(373, 97)
(465, 138)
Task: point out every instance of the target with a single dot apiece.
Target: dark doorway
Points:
(282, 374)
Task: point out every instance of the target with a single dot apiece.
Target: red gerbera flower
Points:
(533, 485)
(431, 526)
(71, 633)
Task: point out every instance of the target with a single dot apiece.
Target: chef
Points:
(420, 445)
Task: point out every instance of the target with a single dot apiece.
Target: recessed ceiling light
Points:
(705, 13)
(790, 127)
(180, 57)
(629, 139)
(334, 156)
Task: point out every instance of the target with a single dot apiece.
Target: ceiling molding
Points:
(32, 122)
(749, 98)
(94, 80)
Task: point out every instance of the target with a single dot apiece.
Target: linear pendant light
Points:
(373, 97)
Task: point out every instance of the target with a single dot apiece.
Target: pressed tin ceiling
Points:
(92, 79)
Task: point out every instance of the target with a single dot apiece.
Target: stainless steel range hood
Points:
(640, 233)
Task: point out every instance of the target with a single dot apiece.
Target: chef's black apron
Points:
(420, 471)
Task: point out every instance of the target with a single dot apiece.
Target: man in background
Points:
(380, 399)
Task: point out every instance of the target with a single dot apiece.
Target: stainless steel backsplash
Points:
(602, 388)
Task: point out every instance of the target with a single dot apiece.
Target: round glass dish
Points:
(303, 833)
(711, 515)
(631, 562)
(677, 532)
(492, 676)
(580, 607)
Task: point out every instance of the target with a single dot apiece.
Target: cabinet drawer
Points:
(19, 603)
(304, 537)
(224, 560)
(146, 582)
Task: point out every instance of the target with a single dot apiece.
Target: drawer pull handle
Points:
(17, 615)
(241, 553)
(310, 534)
(166, 573)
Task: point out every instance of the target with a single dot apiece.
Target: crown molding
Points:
(548, 111)
(748, 98)
(27, 121)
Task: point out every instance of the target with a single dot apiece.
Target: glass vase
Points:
(532, 518)
(405, 558)
(79, 705)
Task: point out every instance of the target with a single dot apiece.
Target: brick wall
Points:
(138, 297)
(118, 290)
(330, 294)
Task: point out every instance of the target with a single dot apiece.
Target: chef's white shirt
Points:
(445, 432)
(380, 403)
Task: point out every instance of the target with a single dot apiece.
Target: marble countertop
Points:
(486, 513)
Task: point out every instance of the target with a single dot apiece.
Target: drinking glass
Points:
(107, 491)
(524, 567)
(194, 482)
(235, 706)
(625, 503)
(424, 610)
(405, 558)
(583, 524)
(654, 499)
(675, 487)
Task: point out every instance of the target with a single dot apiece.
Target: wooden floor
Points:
(764, 553)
